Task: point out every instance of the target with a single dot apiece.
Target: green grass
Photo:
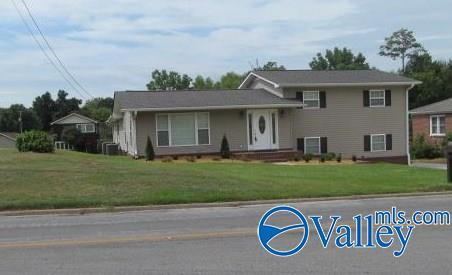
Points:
(70, 179)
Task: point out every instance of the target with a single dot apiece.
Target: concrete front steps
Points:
(267, 156)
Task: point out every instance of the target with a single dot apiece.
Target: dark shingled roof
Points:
(444, 106)
(309, 77)
(202, 99)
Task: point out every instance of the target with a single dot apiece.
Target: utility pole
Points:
(20, 121)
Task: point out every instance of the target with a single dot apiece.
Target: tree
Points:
(339, 59)
(230, 80)
(401, 44)
(436, 77)
(10, 122)
(202, 83)
(224, 150)
(65, 106)
(98, 108)
(270, 66)
(44, 107)
(149, 151)
(164, 81)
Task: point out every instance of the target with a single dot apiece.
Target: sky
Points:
(115, 45)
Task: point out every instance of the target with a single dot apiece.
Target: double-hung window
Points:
(163, 130)
(312, 145)
(377, 98)
(378, 142)
(438, 125)
(203, 128)
(311, 99)
(183, 129)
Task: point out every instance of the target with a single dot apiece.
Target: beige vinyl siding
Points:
(285, 131)
(229, 122)
(345, 121)
(261, 84)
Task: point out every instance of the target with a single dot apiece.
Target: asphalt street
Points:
(219, 240)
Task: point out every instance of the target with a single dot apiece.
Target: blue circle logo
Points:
(267, 232)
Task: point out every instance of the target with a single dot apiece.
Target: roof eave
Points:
(73, 114)
(292, 85)
(230, 107)
(429, 112)
(252, 74)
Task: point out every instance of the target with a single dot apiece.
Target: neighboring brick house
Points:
(433, 121)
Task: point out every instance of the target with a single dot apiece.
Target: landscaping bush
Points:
(175, 157)
(34, 141)
(167, 159)
(330, 156)
(307, 157)
(198, 156)
(224, 151)
(191, 159)
(149, 151)
(422, 149)
(339, 157)
(81, 142)
(322, 158)
(354, 158)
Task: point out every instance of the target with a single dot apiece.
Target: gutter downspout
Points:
(408, 123)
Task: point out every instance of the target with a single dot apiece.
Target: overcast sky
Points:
(114, 45)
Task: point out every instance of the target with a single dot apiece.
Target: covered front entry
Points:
(262, 129)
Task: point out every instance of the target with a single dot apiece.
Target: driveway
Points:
(430, 165)
(218, 240)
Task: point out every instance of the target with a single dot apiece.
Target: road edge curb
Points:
(119, 209)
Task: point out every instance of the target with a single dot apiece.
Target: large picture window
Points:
(437, 125)
(183, 129)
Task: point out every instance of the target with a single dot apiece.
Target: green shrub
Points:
(330, 156)
(191, 159)
(34, 141)
(167, 159)
(307, 157)
(149, 151)
(175, 157)
(354, 158)
(224, 150)
(323, 157)
(82, 142)
(422, 149)
(339, 157)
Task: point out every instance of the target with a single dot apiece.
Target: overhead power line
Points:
(44, 51)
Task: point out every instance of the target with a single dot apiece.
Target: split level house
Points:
(433, 121)
(355, 112)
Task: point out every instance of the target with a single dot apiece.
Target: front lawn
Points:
(71, 179)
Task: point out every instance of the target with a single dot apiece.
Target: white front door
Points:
(262, 129)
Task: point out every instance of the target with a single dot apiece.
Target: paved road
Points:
(208, 241)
